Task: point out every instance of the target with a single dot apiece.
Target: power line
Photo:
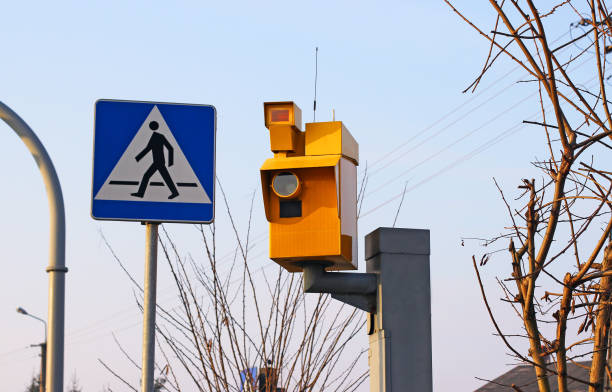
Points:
(445, 116)
(451, 165)
(457, 141)
(473, 153)
(464, 103)
(398, 177)
(129, 311)
(11, 352)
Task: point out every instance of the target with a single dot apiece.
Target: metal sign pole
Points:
(57, 246)
(150, 291)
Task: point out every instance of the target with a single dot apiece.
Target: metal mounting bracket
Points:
(355, 289)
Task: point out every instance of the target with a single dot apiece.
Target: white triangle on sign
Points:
(127, 175)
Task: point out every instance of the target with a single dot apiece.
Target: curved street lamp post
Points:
(57, 266)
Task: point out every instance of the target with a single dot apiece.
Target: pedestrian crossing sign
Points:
(153, 162)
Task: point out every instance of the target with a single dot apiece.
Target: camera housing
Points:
(309, 191)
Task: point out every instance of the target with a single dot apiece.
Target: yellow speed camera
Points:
(310, 191)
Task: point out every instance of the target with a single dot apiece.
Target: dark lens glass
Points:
(290, 208)
(285, 183)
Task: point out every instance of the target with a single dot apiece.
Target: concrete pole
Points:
(57, 264)
(150, 293)
(43, 365)
(400, 345)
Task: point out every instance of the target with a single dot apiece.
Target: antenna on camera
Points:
(314, 106)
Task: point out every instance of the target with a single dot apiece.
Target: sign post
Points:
(154, 162)
(150, 291)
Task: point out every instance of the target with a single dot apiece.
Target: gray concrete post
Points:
(400, 345)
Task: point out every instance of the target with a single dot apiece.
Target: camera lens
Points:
(285, 184)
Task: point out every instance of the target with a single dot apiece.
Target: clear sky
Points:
(392, 71)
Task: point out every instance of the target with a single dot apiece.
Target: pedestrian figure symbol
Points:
(153, 168)
(156, 147)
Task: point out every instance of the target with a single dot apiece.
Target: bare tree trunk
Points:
(602, 325)
(535, 346)
(564, 310)
(571, 203)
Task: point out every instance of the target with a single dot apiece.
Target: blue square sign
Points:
(153, 162)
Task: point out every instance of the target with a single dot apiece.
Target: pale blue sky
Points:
(389, 69)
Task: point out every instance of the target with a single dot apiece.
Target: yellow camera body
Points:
(310, 190)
